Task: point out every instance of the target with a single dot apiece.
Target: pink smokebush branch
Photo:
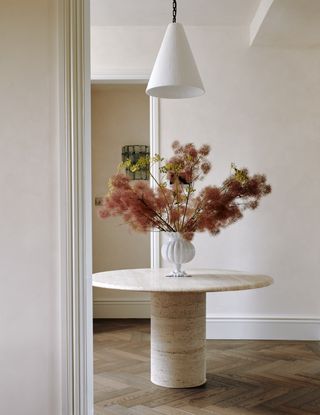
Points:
(174, 206)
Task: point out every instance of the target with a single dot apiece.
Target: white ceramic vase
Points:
(178, 251)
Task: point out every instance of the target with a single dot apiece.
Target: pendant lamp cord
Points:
(174, 11)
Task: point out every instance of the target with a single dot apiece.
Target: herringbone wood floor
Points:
(244, 377)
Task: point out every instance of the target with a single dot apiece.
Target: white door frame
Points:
(75, 208)
(155, 149)
(75, 204)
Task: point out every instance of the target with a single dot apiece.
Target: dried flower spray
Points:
(174, 205)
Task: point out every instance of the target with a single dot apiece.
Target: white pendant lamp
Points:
(175, 73)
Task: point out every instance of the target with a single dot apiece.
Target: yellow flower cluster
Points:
(240, 175)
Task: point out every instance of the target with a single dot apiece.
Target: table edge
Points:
(262, 284)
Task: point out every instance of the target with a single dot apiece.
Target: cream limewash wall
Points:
(261, 110)
(120, 116)
(29, 267)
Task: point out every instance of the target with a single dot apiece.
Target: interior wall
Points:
(261, 110)
(30, 344)
(120, 116)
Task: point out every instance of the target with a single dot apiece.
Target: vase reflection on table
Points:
(177, 251)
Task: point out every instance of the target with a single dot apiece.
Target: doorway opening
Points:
(120, 114)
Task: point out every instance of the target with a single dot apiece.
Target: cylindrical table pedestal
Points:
(178, 339)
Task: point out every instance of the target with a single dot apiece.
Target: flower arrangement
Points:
(172, 203)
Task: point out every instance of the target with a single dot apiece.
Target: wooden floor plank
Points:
(243, 377)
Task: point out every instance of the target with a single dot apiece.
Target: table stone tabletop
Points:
(201, 280)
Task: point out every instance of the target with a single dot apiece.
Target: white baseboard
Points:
(262, 328)
(236, 328)
(121, 309)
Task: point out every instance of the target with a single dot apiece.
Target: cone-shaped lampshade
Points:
(175, 73)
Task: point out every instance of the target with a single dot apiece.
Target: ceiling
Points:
(291, 23)
(159, 12)
(279, 23)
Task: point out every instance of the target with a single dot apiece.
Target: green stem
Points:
(164, 194)
(166, 224)
(193, 217)
(186, 206)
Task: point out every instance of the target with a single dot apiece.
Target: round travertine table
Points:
(178, 316)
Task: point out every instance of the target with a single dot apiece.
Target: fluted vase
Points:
(177, 251)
